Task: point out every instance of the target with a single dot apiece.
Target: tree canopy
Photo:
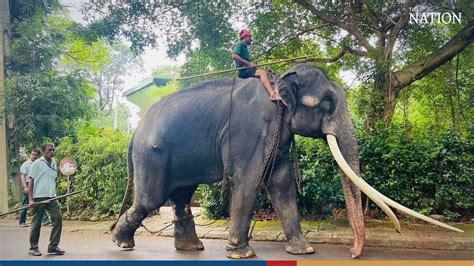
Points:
(60, 75)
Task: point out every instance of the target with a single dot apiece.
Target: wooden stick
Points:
(24, 207)
(240, 68)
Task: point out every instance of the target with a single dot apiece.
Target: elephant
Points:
(224, 128)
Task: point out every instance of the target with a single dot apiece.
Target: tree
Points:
(373, 35)
(44, 99)
(182, 24)
(107, 78)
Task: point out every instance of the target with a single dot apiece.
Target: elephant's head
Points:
(318, 109)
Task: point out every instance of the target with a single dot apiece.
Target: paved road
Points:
(97, 245)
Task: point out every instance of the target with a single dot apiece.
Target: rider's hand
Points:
(32, 203)
(251, 65)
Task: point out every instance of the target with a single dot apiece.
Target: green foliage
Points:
(44, 99)
(25, 9)
(104, 65)
(101, 156)
(46, 105)
(213, 204)
(320, 185)
(178, 23)
(118, 118)
(442, 100)
(427, 174)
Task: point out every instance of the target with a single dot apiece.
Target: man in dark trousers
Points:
(242, 58)
(42, 186)
(25, 179)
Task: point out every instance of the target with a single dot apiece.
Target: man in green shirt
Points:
(42, 186)
(242, 58)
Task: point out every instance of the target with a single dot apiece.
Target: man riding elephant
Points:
(242, 58)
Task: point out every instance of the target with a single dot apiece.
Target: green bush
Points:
(433, 176)
(101, 155)
(320, 189)
(214, 205)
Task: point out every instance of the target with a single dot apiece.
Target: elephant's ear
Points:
(286, 85)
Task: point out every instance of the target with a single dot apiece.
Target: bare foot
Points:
(275, 97)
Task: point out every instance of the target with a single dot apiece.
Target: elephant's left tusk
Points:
(361, 184)
(349, 172)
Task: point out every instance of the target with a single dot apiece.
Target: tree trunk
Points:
(383, 98)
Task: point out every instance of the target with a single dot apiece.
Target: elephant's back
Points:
(205, 108)
(189, 114)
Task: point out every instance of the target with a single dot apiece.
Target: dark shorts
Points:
(247, 73)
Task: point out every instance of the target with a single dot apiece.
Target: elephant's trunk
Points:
(349, 149)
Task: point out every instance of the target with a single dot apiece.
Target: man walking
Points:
(42, 186)
(24, 179)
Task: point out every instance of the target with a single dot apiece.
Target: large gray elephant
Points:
(225, 127)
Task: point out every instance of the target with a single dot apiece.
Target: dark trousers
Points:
(52, 208)
(24, 202)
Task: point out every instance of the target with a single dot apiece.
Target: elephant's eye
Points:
(327, 104)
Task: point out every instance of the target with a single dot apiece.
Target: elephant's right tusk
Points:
(368, 190)
(362, 185)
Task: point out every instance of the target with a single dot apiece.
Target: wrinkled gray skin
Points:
(183, 142)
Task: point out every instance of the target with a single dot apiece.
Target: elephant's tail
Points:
(128, 190)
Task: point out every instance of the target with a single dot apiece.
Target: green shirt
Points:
(240, 48)
(25, 169)
(44, 176)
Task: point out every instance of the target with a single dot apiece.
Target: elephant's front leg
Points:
(243, 199)
(282, 188)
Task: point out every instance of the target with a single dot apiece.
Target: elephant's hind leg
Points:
(149, 197)
(185, 237)
(128, 223)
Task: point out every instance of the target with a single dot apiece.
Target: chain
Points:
(168, 224)
(270, 152)
(296, 165)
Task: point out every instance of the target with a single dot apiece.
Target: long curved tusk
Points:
(336, 153)
(359, 182)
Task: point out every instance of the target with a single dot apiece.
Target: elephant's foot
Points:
(123, 242)
(297, 247)
(356, 250)
(122, 235)
(188, 245)
(240, 253)
(185, 237)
